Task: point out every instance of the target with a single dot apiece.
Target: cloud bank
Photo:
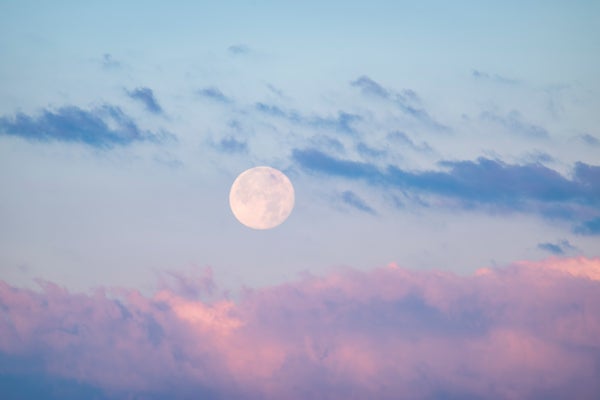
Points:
(530, 330)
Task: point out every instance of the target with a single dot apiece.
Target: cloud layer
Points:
(531, 330)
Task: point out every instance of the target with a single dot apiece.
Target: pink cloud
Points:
(530, 330)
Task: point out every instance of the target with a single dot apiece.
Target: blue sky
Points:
(445, 237)
(418, 126)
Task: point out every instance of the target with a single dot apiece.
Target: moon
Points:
(261, 197)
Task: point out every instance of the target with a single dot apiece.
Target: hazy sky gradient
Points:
(438, 137)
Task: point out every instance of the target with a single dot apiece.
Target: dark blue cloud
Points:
(552, 248)
(350, 198)
(318, 161)
(342, 122)
(214, 94)
(513, 122)
(406, 100)
(484, 181)
(589, 227)
(45, 387)
(102, 127)
(558, 248)
(146, 97)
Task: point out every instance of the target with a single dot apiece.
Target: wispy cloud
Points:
(238, 49)
(108, 62)
(342, 122)
(403, 139)
(589, 139)
(230, 144)
(351, 199)
(484, 181)
(558, 248)
(481, 75)
(406, 100)
(146, 96)
(215, 94)
(589, 227)
(425, 334)
(367, 151)
(101, 127)
(514, 123)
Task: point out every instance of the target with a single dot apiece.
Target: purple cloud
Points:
(525, 331)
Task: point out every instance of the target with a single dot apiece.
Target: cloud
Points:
(215, 94)
(501, 333)
(513, 122)
(589, 139)
(528, 187)
(353, 200)
(558, 248)
(590, 227)
(343, 122)
(403, 139)
(318, 161)
(238, 49)
(407, 100)
(481, 75)
(146, 97)
(230, 144)
(367, 151)
(101, 127)
(108, 62)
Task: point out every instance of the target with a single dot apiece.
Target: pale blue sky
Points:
(242, 84)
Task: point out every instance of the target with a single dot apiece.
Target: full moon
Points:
(261, 197)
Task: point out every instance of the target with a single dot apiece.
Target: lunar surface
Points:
(261, 197)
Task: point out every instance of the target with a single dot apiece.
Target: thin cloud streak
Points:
(501, 333)
(407, 101)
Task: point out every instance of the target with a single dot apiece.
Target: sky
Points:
(445, 240)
